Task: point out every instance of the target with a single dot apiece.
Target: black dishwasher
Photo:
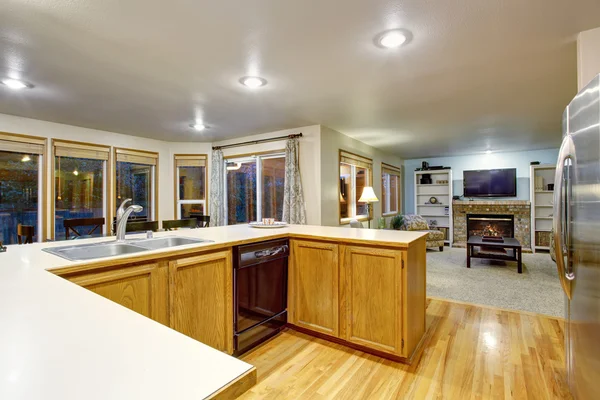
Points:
(260, 292)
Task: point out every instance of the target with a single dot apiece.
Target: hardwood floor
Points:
(469, 352)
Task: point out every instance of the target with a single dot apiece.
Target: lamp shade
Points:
(368, 195)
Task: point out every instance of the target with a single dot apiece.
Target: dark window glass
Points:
(79, 192)
(273, 180)
(19, 194)
(192, 183)
(134, 181)
(191, 210)
(241, 192)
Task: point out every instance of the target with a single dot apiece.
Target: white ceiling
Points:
(477, 74)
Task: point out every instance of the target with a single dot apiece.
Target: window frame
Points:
(341, 154)
(256, 157)
(106, 184)
(386, 169)
(42, 178)
(155, 180)
(177, 200)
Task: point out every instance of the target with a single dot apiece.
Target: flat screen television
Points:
(490, 183)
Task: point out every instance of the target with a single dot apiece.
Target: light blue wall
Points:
(519, 160)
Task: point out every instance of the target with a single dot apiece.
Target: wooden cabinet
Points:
(191, 294)
(141, 288)
(371, 292)
(367, 296)
(373, 299)
(313, 299)
(200, 298)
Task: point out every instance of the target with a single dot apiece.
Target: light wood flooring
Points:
(469, 352)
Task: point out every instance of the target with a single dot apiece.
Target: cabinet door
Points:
(137, 287)
(372, 297)
(314, 284)
(201, 298)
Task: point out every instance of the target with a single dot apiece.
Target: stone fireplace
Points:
(497, 225)
(517, 210)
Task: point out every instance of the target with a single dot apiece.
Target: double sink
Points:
(93, 251)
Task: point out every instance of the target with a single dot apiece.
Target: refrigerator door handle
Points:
(565, 153)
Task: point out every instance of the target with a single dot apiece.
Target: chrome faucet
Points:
(122, 217)
(121, 209)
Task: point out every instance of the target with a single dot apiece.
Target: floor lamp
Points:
(368, 196)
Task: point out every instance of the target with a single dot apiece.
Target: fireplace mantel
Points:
(521, 209)
(493, 202)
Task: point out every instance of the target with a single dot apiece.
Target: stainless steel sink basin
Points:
(111, 249)
(93, 251)
(171, 241)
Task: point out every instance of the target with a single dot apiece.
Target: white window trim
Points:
(40, 219)
(259, 179)
(385, 179)
(192, 201)
(353, 202)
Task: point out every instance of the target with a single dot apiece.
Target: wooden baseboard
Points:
(359, 347)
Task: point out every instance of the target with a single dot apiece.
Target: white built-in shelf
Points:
(442, 191)
(541, 223)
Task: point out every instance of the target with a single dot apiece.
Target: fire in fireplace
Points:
(490, 225)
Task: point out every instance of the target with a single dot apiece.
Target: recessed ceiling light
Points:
(488, 152)
(199, 127)
(253, 81)
(391, 39)
(16, 84)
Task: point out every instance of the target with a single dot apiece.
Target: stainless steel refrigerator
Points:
(577, 238)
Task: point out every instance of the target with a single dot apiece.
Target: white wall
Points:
(27, 126)
(588, 56)
(519, 160)
(331, 143)
(310, 165)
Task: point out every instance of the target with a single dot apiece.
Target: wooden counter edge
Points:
(237, 387)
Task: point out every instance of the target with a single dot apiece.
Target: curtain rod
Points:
(227, 146)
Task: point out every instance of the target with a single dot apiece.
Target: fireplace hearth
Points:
(492, 225)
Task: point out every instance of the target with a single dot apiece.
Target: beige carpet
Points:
(496, 283)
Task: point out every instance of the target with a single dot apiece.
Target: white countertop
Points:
(61, 341)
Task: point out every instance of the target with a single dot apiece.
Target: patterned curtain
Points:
(217, 190)
(294, 209)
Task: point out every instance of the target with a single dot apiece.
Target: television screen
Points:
(490, 183)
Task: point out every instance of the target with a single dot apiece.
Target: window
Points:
(190, 185)
(135, 178)
(79, 184)
(390, 190)
(21, 185)
(253, 181)
(355, 173)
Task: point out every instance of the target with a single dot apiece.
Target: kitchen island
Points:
(61, 341)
